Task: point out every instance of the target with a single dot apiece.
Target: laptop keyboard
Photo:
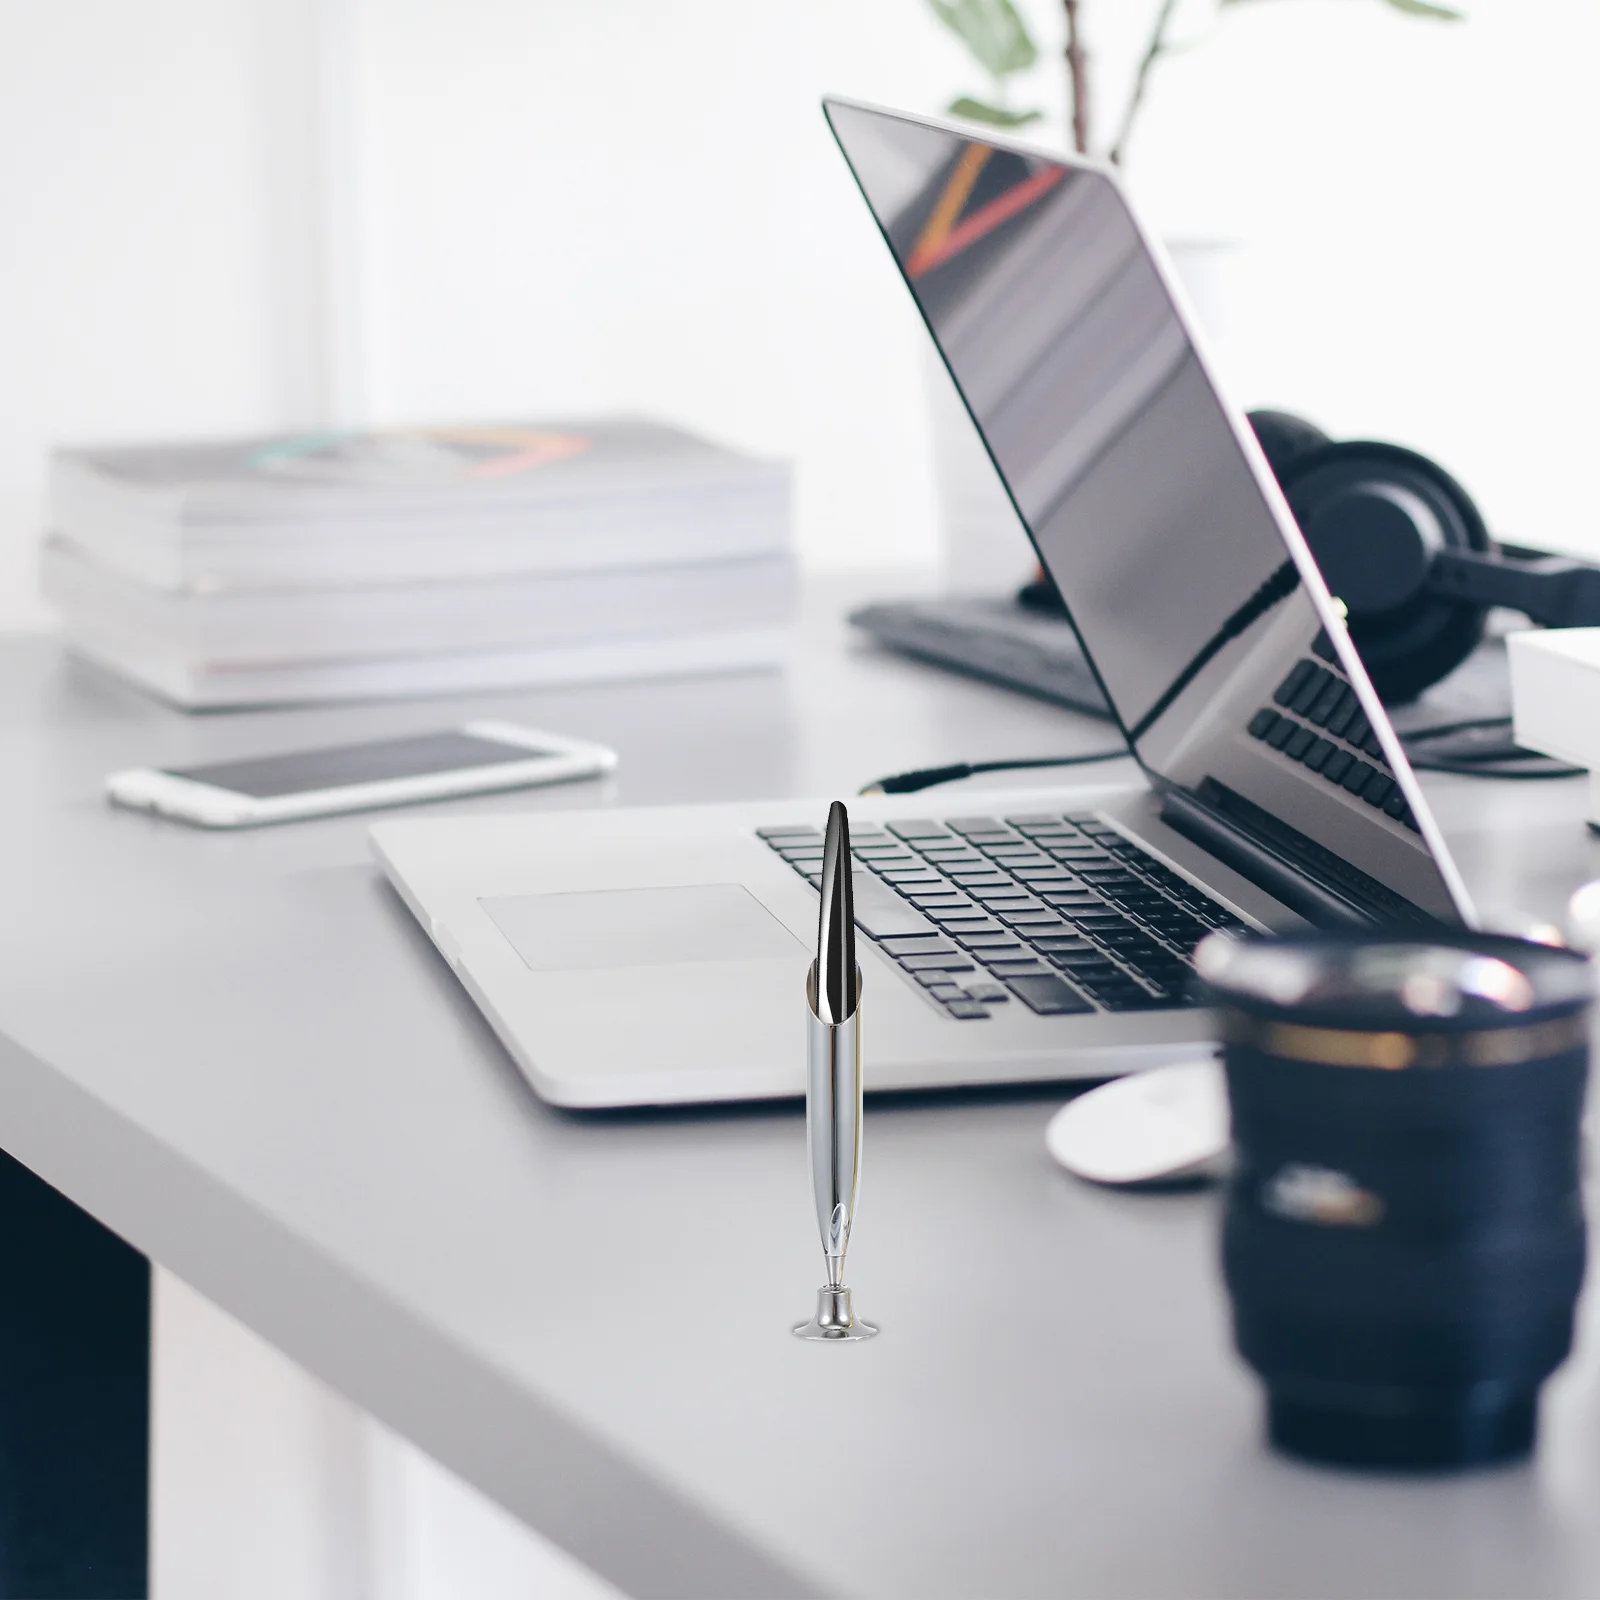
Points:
(1315, 719)
(1060, 913)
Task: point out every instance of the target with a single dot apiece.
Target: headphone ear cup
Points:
(1374, 515)
(1284, 438)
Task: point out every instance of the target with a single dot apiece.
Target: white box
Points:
(1555, 697)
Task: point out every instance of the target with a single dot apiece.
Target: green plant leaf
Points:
(995, 116)
(992, 30)
(1411, 8)
(1425, 8)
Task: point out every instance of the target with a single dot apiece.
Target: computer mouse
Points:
(1162, 1125)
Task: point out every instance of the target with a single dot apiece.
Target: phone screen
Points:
(309, 770)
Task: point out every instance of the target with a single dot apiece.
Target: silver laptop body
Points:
(651, 956)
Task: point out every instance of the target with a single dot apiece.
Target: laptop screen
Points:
(1146, 504)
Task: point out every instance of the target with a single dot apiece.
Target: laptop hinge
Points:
(1340, 897)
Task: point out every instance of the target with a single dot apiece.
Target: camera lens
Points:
(1403, 1241)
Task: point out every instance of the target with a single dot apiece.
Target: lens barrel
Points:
(1404, 1235)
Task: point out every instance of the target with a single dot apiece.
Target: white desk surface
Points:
(239, 1053)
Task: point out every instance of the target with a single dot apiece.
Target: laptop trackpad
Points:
(640, 927)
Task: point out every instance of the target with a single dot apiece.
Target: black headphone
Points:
(1403, 546)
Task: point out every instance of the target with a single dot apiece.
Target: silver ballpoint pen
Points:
(833, 1083)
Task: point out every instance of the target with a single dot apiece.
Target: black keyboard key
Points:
(1349, 708)
(920, 945)
(1001, 952)
(967, 929)
(988, 992)
(1069, 901)
(1292, 685)
(1049, 996)
(1059, 944)
(1144, 899)
(1310, 691)
(965, 825)
(949, 963)
(1262, 723)
(1358, 730)
(1355, 780)
(918, 828)
(966, 1010)
(947, 991)
(1299, 742)
(1138, 1000)
(1281, 734)
(1337, 764)
(1319, 752)
(1395, 805)
(1017, 969)
(1326, 703)
(1379, 787)
(788, 830)
(933, 977)
(957, 927)
(1022, 921)
(881, 914)
(1081, 972)
(1322, 646)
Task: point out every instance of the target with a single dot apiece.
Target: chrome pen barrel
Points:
(833, 1123)
(833, 1081)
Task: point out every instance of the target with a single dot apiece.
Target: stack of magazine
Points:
(329, 566)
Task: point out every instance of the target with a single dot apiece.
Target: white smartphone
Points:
(473, 759)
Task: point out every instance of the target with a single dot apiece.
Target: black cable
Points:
(1444, 729)
(1482, 769)
(927, 777)
(1464, 764)
(1504, 760)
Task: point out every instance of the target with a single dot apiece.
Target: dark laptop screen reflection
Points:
(1125, 468)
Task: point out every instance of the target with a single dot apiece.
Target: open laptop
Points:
(651, 956)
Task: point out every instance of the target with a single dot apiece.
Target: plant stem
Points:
(1077, 78)
(1153, 52)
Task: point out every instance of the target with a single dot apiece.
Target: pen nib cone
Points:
(837, 973)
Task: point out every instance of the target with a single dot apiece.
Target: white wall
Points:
(535, 206)
(266, 1485)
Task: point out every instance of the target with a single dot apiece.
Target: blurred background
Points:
(233, 215)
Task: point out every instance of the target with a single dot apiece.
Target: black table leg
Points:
(74, 1400)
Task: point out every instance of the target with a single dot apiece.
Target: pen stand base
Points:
(835, 1319)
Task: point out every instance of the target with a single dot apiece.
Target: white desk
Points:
(240, 1053)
